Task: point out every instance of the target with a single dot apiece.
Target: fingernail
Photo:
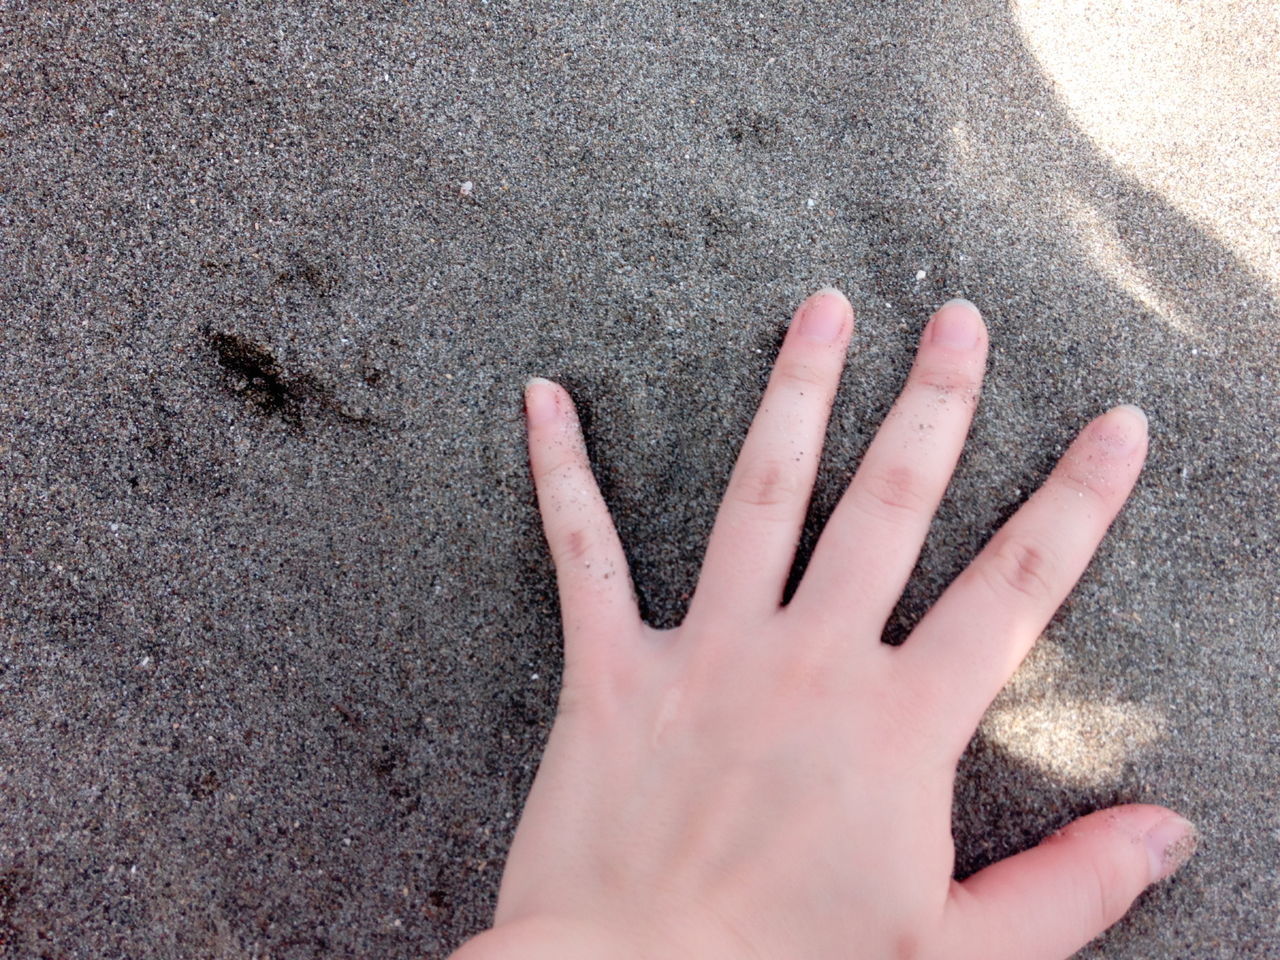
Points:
(824, 315)
(1170, 844)
(1137, 413)
(541, 401)
(957, 324)
(1121, 430)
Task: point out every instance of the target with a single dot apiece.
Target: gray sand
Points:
(280, 636)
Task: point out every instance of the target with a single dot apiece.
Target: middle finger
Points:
(870, 545)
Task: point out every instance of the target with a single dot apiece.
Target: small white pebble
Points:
(811, 203)
(533, 676)
(466, 188)
(920, 275)
(145, 661)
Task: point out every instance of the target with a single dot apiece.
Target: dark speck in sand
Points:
(258, 377)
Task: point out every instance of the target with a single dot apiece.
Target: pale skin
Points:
(770, 782)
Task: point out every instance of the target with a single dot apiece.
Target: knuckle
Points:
(956, 380)
(576, 545)
(804, 681)
(601, 688)
(907, 946)
(1106, 897)
(764, 483)
(1075, 477)
(558, 468)
(589, 698)
(894, 490)
(574, 698)
(1104, 884)
(801, 375)
(1021, 566)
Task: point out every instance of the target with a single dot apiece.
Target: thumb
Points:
(1048, 902)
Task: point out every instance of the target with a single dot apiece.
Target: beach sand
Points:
(280, 632)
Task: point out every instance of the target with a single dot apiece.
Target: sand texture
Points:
(279, 639)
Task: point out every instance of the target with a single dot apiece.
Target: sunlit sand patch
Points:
(1095, 234)
(1084, 742)
(1100, 240)
(1172, 93)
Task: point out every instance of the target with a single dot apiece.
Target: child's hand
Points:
(774, 783)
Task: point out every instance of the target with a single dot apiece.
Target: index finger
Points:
(753, 541)
(597, 600)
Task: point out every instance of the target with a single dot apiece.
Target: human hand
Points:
(773, 782)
